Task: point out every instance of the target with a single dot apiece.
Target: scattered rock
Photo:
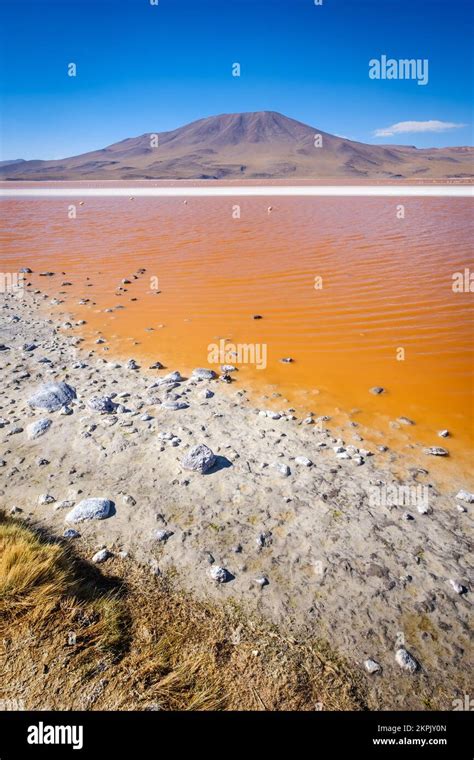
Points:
(437, 451)
(71, 533)
(282, 469)
(38, 428)
(406, 660)
(304, 461)
(52, 396)
(102, 404)
(458, 587)
(163, 535)
(201, 373)
(101, 556)
(465, 496)
(46, 498)
(372, 666)
(377, 390)
(90, 509)
(219, 574)
(175, 405)
(199, 459)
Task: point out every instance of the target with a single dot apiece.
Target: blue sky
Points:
(144, 68)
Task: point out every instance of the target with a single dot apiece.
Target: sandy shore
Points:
(299, 514)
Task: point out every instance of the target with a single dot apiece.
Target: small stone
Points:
(218, 573)
(465, 496)
(282, 469)
(443, 433)
(71, 533)
(163, 535)
(377, 390)
(407, 516)
(372, 666)
(304, 461)
(90, 509)
(46, 498)
(228, 368)
(423, 508)
(102, 404)
(129, 500)
(101, 556)
(405, 421)
(458, 588)
(262, 581)
(287, 360)
(175, 405)
(406, 660)
(437, 451)
(170, 378)
(201, 373)
(207, 393)
(38, 428)
(199, 459)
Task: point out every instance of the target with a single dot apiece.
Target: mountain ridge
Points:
(252, 145)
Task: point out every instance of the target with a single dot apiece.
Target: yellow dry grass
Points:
(74, 638)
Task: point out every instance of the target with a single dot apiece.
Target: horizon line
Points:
(454, 191)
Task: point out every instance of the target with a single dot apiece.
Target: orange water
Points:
(386, 285)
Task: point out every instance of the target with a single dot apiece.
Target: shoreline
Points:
(286, 501)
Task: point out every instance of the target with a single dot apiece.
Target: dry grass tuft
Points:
(140, 644)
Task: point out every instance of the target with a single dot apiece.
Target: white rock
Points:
(38, 428)
(199, 459)
(282, 469)
(406, 660)
(465, 496)
(163, 535)
(101, 556)
(218, 573)
(90, 509)
(458, 588)
(372, 666)
(304, 461)
(46, 498)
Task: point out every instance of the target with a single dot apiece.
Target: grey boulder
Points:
(200, 459)
(90, 509)
(52, 396)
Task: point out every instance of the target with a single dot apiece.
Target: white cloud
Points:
(404, 127)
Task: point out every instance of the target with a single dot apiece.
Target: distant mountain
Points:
(261, 145)
(12, 161)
